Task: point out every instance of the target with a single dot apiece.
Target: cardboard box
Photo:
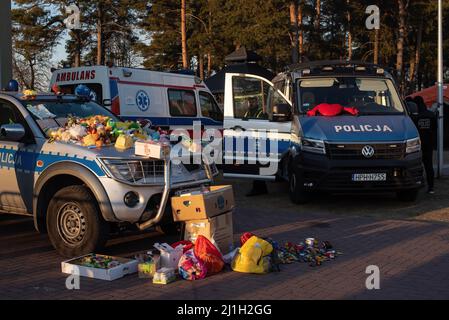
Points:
(152, 150)
(75, 267)
(219, 230)
(203, 205)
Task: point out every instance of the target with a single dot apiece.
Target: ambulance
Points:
(168, 100)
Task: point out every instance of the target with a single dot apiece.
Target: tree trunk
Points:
(294, 30)
(415, 61)
(376, 46)
(400, 42)
(317, 15)
(301, 31)
(31, 84)
(77, 57)
(201, 63)
(349, 33)
(100, 48)
(209, 54)
(209, 64)
(185, 59)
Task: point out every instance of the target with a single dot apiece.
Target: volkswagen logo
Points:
(368, 152)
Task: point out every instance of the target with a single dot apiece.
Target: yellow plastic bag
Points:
(253, 257)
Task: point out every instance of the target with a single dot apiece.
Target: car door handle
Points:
(238, 128)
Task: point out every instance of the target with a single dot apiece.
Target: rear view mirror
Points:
(412, 108)
(282, 112)
(12, 132)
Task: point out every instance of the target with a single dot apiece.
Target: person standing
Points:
(426, 123)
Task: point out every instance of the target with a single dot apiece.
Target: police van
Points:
(323, 126)
(168, 100)
(74, 193)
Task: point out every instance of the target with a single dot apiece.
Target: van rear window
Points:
(182, 103)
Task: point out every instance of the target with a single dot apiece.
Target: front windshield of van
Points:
(54, 113)
(370, 96)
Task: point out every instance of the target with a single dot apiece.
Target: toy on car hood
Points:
(331, 110)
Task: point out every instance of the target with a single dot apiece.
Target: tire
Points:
(408, 195)
(297, 193)
(74, 222)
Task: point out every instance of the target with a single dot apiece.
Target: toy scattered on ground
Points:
(99, 262)
(310, 251)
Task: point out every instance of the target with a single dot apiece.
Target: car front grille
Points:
(384, 151)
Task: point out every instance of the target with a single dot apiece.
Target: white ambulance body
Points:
(169, 100)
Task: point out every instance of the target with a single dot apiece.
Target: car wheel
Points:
(297, 193)
(74, 222)
(408, 195)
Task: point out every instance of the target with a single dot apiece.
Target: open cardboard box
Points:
(203, 205)
(75, 267)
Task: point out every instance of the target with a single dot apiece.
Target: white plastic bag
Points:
(169, 257)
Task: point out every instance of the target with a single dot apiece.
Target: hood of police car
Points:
(359, 128)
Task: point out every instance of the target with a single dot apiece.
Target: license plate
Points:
(369, 177)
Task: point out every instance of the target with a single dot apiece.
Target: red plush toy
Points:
(331, 110)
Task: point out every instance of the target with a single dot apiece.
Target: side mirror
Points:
(12, 132)
(412, 108)
(107, 102)
(282, 113)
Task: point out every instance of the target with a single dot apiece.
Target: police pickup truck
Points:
(323, 126)
(74, 193)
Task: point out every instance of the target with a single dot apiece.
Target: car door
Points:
(255, 137)
(17, 161)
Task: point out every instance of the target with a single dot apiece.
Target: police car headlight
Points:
(313, 146)
(413, 145)
(129, 171)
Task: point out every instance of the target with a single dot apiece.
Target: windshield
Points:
(370, 96)
(51, 114)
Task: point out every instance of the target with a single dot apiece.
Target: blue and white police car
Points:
(77, 194)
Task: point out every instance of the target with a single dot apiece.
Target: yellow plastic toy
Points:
(124, 142)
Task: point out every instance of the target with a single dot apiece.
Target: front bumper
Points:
(319, 173)
(149, 198)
